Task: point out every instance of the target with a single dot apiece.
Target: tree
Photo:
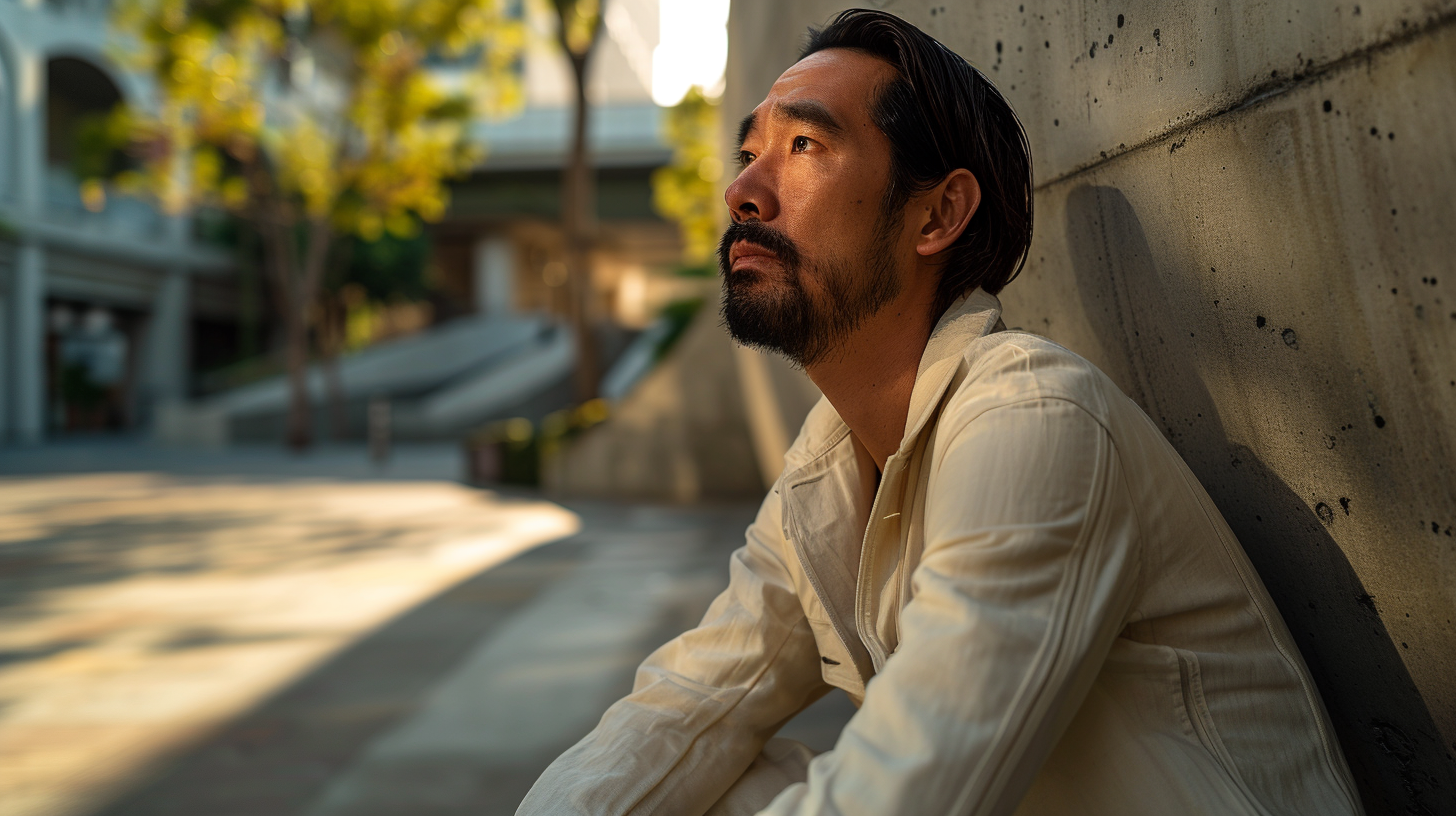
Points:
(313, 120)
(578, 30)
(686, 190)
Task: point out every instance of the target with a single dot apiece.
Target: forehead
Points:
(842, 80)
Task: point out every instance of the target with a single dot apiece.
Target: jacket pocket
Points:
(835, 664)
(1201, 720)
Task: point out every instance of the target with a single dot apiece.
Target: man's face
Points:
(812, 250)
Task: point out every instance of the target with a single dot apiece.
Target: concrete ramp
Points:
(530, 369)
(440, 384)
(408, 366)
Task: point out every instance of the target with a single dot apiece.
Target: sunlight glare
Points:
(692, 49)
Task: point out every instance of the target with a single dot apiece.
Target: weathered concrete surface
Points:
(1157, 66)
(1271, 280)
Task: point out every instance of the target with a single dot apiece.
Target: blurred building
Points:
(111, 309)
(498, 346)
(500, 248)
(97, 304)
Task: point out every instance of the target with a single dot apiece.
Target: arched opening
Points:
(79, 98)
(91, 342)
(78, 95)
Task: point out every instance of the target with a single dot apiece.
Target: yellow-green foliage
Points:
(686, 191)
(325, 108)
(580, 17)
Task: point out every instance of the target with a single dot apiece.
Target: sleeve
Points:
(703, 705)
(1029, 568)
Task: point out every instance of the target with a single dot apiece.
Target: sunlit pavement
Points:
(253, 634)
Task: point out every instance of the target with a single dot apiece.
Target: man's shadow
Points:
(1384, 726)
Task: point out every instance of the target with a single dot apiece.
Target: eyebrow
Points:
(807, 111)
(745, 127)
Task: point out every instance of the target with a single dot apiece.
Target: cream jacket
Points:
(1038, 610)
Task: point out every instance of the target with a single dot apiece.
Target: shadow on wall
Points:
(1387, 732)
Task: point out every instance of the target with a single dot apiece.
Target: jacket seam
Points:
(1137, 520)
(1206, 730)
(828, 445)
(1312, 703)
(787, 574)
(774, 547)
(1020, 401)
(1054, 640)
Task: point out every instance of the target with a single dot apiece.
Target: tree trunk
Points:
(280, 263)
(296, 281)
(314, 263)
(331, 345)
(578, 206)
(300, 406)
(334, 315)
(579, 217)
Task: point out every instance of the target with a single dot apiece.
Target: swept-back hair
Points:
(941, 114)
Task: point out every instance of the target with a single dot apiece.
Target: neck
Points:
(870, 377)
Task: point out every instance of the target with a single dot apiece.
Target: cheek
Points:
(835, 216)
(837, 184)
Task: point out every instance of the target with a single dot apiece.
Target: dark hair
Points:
(941, 114)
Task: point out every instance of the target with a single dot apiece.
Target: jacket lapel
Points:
(825, 513)
(824, 519)
(974, 316)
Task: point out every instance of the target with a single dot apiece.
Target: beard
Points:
(783, 316)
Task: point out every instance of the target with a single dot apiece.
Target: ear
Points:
(946, 210)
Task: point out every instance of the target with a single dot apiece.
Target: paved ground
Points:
(248, 633)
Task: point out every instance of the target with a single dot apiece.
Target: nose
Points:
(753, 195)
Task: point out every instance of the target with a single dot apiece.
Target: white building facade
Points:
(96, 307)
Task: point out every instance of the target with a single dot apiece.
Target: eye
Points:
(800, 144)
(744, 158)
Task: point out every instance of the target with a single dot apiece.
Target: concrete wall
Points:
(680, 435)
(1244, 215)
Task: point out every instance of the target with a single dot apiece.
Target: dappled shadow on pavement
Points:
(279, 757)
(139, 610)
(457, 706)
(176, 644)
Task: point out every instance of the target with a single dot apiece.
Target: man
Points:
(976, 535)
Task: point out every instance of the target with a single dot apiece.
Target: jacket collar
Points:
(825, 506)
(973, 316)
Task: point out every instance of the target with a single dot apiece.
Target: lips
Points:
(753, 249)
(746, 249)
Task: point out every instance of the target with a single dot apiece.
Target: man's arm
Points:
(1030, 566)
(703, 705)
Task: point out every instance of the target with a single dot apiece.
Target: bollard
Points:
(379, 430)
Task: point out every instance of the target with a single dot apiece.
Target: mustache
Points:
(757, 232)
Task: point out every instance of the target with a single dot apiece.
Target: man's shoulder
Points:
(1009, 367)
